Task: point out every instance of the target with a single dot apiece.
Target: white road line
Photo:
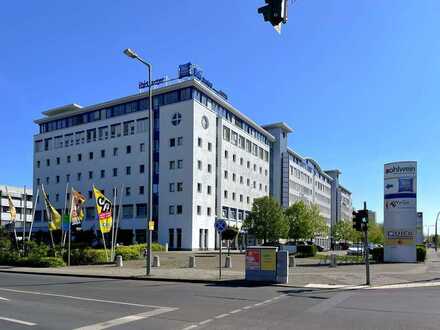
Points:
(4, 299)
(247, 307)
(80, 298)
(127, 319)
(405, 286)
(190, 327)
(235, 311)
(17, 321)
(205, 322)
(222, 316)
(258, 304)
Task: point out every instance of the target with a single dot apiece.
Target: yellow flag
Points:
(54, 217)
(76, 207)
(12, 210)
(104, 210)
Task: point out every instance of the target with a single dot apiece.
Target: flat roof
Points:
(281, 125)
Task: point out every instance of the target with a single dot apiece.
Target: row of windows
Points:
(233, 213)
(308, 167)
(233, 196)
(243, 143)
(91, 155)
(92, 135)
(91, 175)
(248, 163)
(179, 95)
(208, 211)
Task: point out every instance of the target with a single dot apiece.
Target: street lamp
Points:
(132, 54)
(436, 237)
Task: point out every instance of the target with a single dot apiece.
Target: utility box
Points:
(261, 264)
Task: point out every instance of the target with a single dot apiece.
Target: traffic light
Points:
(360, 220)
(275, 12)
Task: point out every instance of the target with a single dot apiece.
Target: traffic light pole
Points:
(366, 250)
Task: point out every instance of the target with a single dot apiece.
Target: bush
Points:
(86, 256)
(129, 252)
(306, 251)
(35, 250)
(421, 253)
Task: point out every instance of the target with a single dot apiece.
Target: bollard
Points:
(166, 247)
(228, 262)
(292, 261)
(333, 260)
(119, 262)
(192, 262)
(156, 261)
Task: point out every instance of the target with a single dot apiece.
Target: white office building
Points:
(209, 161)
(22, 201)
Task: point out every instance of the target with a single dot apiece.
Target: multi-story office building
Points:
(22, 200)
(209, 161)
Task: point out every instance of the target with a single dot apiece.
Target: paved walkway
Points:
(304, 274)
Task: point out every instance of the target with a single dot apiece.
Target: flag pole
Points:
(12, 220)
(34, 207)
(23, 213)
(48, 216)
(112, 248)
(63, 241)
(119, 212)
(70, 228)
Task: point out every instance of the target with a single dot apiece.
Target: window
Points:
(209, 168)
(90, 155)
(226, 133)
(102, 173)
(47, 162)
(234, 158)
(209, 146)
(90, 194)
(67, 177)
(176, 119)
(199, 210)
(255, 167)
(57, 197)
(128, 170)
(261, 187)
(38, 164)
(115, 171)
(141, 210)
(79, 157)
(261, 170)
(127, 211)
(199, 187)
(247, 200)
(225, 194)
(141, 125)
(233, 196)
(248, 182)
(69, 159)
(199, 164)
(233, 177)
(180, 141)
(226, 154)
(128, 149)
(179, 209)
(179, 186)
(241, 179)
(115, 151)
(248, 164)
(90, 174)
(172, 164)
(142, 147)
(226, 174)
(172, 187)
(103, 133)
(241, 198)
(127, 191)
(78, 176)
(180, 163)
(57, 179)
(58, 160)
(141, 168)
(103, 153)
(115, 130)
(172, 142)
(209, 190)
(141, 190)
(199, 142)
(208, 211)
(129, 127)
(171, 209)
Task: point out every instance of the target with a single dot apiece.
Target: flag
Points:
(66, 222)
(53, 216)
(12, 210)
(76, 207)
(104, 210)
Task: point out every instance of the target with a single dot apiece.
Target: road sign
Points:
(220, 225)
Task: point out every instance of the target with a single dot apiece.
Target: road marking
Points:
(235, 311)
(17, 321)
(80, 298)
(221, 316)
(127, 319)
(4, 299)
(205, 322)
(247, 307)
(258, 304)
(406, 285)
(190, 327)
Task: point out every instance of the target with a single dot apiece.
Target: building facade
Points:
(210, 161)
(22, 200)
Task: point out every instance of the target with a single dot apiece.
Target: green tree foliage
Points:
(375, 233)
(304, 221)
(266, 220)
(343, 231)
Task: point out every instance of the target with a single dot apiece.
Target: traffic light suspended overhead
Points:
(275, 12)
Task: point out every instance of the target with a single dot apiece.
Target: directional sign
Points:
(220, 225)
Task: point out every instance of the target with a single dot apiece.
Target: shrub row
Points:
(13, 259)
(306, 251)
(420, 249)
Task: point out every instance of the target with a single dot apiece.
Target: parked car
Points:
(356, 250)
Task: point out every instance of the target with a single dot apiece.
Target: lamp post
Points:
(132, 54)
(436, 237)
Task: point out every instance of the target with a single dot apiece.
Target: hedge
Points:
(420, 249)
(378, 254)
(421, 253)
(306, 251)
(13, 259)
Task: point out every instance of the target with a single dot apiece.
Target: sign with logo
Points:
(400, 211)
(151, 225)
(145, 84)
(253, 259)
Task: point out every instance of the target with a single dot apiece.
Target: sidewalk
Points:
(176, 269)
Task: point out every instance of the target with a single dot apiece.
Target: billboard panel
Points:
(400, 211)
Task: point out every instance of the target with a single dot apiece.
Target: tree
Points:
(304, 221)
(266, 220)
(375, 233)
(343, 231)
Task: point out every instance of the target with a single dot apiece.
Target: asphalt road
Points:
(52, 302)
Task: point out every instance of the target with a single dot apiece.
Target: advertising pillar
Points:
(400, 211)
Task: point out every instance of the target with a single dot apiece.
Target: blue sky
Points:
(357, 80)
